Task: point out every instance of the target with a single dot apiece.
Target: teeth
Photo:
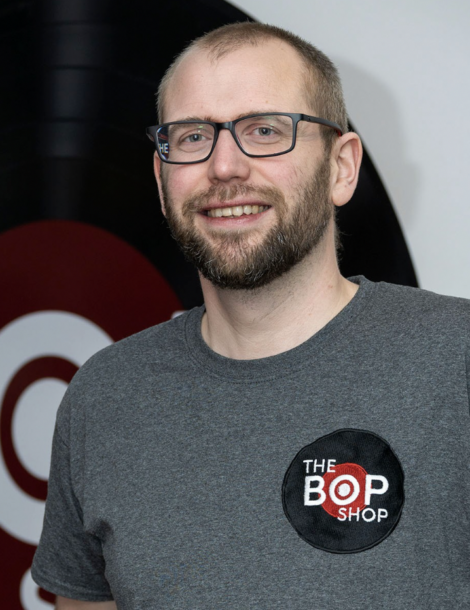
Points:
(237, 210)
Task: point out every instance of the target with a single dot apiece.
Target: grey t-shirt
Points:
(332, 476)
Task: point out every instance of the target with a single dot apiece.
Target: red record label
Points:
(68, 289)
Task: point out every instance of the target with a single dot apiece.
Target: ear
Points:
(346, 160)
(157, 169)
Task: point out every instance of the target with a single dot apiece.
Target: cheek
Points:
(303, 173)
(291, 171)
(289, 178)
(276, 172)
(183, 181)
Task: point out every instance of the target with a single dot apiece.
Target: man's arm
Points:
(69, 559)
(64, 603)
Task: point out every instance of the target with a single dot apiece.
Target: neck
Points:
(250, 324)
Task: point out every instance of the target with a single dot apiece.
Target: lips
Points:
(238, 201)
(235, 211)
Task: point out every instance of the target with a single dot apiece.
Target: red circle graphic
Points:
(79, 268)
(34, 370)
(359, 474)
(73, 267)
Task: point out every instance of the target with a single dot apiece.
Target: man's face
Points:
(274, 210)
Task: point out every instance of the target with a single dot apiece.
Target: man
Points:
(252, 454)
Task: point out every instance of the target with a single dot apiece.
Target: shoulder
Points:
(159, 352)
(153, 344)
(402, 310)
(421, 304)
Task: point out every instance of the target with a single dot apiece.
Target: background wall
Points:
(404, 67)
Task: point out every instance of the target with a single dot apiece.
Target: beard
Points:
(239, 261)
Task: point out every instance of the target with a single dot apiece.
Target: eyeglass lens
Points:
(193, 141)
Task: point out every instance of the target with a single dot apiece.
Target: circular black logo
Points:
(344, 492)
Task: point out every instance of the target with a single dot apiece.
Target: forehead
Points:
(270, 76)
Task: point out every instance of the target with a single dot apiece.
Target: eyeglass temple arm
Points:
(149, 134)
(313, 119)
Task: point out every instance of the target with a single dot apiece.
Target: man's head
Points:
(321, 82)
(244, 221)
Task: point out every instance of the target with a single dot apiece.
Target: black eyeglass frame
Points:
(230, 125)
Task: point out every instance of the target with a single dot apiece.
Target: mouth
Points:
(235, 211)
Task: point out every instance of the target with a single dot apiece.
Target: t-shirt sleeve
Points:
(69, 561)
(467, 363)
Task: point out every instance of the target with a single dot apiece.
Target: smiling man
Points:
(252, 453)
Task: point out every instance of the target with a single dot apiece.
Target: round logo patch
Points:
(344, 492)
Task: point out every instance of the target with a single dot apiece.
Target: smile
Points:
(236, 211)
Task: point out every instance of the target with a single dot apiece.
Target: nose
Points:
(227, 162)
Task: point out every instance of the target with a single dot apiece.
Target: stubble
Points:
(239, 260)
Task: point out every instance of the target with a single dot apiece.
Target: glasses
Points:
(257, 135)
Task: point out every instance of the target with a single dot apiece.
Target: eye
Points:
(194, 137)
(259, 134)
(263, 131)
(191, 137)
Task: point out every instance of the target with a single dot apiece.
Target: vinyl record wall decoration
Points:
(85, 255)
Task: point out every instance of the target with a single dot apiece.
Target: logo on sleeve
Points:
(344, 492)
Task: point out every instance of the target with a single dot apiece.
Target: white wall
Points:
(407, 85)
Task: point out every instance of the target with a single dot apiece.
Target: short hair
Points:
(322, 82)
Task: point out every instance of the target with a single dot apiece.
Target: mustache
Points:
(267, 194)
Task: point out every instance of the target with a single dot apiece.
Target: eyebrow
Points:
(239, 116)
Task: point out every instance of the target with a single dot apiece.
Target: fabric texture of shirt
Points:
(177, 482)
